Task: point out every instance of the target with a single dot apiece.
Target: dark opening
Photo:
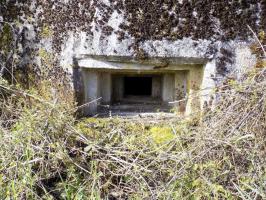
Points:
(138, 86)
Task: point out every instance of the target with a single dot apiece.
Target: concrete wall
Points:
(157, 86)
(59, 31)
(168, 87)
(185, 29)
(106, 87)
(194, 103)
(91, 90)
(118, 88)
(181, 90)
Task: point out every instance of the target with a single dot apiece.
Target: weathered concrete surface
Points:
(91, 90)
(168, 87)
(212, 33)
(185, 29)
(174, 85)
(181, 89)
(105, 87)
(156, 86)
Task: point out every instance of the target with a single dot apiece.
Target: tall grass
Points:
(47, 154)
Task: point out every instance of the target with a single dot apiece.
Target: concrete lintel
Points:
(155, 61)
(105, 65)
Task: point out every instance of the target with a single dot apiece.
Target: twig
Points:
(256, 37)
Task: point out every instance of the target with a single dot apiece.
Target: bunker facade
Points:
(143, 55)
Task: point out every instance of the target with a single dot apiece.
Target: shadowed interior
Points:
(137, 86)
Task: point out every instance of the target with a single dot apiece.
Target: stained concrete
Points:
(156, 86)
(106, 36)
(91, 91)
(173, 86)
(105, 87)
(181, 90)
(168, 87)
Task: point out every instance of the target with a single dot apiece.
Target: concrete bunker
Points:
(128, 85)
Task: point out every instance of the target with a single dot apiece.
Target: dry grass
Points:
(47, 154)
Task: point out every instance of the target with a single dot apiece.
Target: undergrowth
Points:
(46, 153)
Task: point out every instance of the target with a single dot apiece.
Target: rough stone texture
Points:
(154, 19)
(203, 29)
(184, 28)
(15, 42)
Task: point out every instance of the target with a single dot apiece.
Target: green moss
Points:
(6, 38)
(133, 134)
(87, 128)
(119, 130)
(46, 57)
(162, 135)
(46, 31)
(44, 54)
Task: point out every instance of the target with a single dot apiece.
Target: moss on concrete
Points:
(46, 32)
(157, 20)
(6, 38)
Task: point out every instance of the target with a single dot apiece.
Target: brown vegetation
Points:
(47, 154)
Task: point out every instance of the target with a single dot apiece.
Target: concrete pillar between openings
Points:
(156, 86)
(168, 88)
(181, 90)
(92, 92)
(106, 88)
(118, 88)
(195, 77)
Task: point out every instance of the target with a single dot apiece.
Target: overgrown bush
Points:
(47, 154)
